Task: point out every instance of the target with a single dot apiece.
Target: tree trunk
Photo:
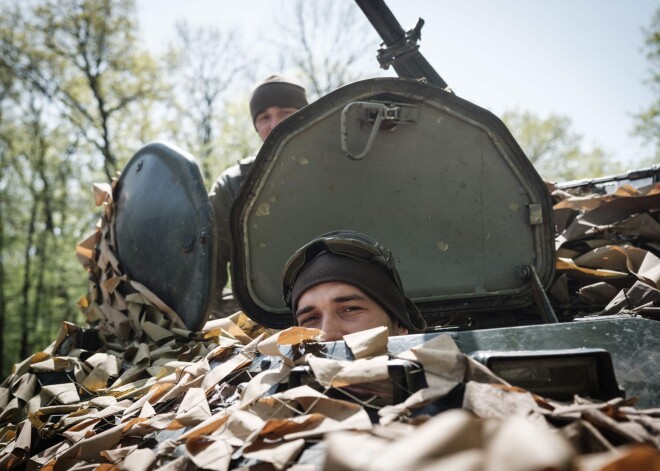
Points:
(27, 283)
(3, 302)
(40, 294)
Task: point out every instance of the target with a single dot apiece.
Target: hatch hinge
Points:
(548, 315)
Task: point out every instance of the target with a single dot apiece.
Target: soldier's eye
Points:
(307, 320)
(352, 309)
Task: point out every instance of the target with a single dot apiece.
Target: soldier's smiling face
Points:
(339, 309)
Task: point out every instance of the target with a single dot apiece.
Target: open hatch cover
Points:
(436, 179)
(165, 230)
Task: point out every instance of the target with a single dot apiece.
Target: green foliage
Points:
(38, 197)
(237, 137)
(73, 79)
(555, 150)
(84, 56)
(648, 121)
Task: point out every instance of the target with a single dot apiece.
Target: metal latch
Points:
(535, 214)
(375, 114)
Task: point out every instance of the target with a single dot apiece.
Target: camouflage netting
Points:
(136, 390)
(608, 249)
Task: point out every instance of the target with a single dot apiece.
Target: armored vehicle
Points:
(435, 178)
(444, 185)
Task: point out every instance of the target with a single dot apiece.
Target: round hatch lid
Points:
(437, 180)
(165, 230)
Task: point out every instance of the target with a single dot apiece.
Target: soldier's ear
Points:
(400, 329)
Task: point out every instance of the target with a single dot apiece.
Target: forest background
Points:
(80, 93)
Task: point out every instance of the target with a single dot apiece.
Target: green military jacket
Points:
(222, 195)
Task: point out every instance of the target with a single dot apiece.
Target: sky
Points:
(583, 59)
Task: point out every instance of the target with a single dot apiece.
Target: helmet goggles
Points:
(345, 243)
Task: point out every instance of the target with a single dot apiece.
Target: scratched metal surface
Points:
(634, 344)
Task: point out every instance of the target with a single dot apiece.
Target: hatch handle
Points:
(376, 111)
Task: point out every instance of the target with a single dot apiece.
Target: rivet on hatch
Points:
(442, 245)
(188, 245)
(263, 210)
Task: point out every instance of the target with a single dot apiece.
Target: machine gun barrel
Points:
(400, 48)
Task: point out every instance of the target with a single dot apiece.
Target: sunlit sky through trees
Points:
(582, 59)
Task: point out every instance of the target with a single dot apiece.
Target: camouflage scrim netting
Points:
(608, 252)
(135, 390)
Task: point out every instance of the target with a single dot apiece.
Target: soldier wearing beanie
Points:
(346, 290)
(272, 100)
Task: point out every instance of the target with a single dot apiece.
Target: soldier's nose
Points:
(332, 328)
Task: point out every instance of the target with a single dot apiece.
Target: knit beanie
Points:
(276, 90)
(370, 277)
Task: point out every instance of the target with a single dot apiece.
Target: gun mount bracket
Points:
(403, 48)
